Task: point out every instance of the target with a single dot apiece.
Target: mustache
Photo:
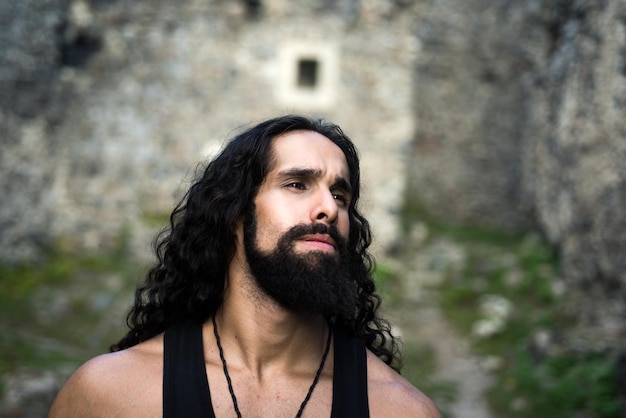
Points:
(300, 230)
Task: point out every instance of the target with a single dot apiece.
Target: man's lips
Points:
(320, 241)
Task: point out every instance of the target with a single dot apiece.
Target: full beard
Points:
(312, 283)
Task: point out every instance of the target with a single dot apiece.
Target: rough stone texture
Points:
(521, 123)
(575, 157)
(470, 105)
(30, 45)
(150, 88)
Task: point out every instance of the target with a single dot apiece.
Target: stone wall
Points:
(521, 123)
(30, 45)
(150, 88)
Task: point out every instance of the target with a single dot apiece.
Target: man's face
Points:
(295, 236)
(309, 183)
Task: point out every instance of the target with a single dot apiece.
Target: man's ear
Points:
(238, 230)
(237, 234)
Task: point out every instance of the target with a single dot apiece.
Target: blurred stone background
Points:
(495, 113)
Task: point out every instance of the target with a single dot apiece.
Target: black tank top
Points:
(186, 387)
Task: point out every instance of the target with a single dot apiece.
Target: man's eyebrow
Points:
(300, 173)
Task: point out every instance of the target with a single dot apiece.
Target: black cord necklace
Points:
(230, 384)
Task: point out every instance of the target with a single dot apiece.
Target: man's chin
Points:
(304, 248)
(314, 256)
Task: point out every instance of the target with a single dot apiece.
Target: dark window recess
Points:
(308, 70)
(254, 8)
(79, 50)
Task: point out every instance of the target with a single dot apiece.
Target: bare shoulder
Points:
(390, 394)
(125, 383)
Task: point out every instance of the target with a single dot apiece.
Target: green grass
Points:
(561, 386)
(524, 270)
(551, 385)
(413, 211)
(156, 219)
(387, 283)
(63, 309)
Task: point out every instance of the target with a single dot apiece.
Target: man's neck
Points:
(263, 337)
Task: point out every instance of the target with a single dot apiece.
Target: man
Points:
(262, 302)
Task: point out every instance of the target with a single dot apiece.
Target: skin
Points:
(272, 353)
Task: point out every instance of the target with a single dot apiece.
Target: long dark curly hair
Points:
(194, 252)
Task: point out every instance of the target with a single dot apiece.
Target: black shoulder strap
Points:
(185, 384)
(349, 378)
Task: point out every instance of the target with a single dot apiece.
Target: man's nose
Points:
(325, 209)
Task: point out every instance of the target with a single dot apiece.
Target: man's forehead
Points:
(308, 150)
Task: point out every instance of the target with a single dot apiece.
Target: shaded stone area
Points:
(520, 117)
(30, 45)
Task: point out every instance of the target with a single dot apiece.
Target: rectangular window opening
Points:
(308, 69)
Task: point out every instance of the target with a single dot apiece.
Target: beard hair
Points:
(312, 283)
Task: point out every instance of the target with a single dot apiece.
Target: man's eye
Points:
(340, 198)
(295, 185)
